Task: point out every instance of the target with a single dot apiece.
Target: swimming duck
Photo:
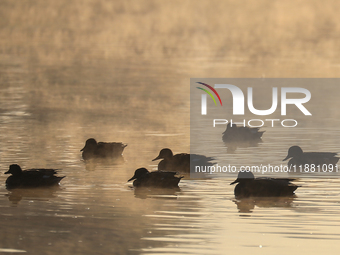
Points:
(234, 133)
(31, 177)
(298, 157)
(181, 162)
(249, 186)
(93, 149)
(159, 179)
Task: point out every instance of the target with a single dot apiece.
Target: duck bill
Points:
(7, 172)
(286, 158)
(236, 181)
(156, 158)
(132, 178)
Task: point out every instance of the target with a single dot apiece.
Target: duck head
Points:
(294, 151)
(14, 170)
(242, 176)
(164, 154)
(90, 143)
(140, 172)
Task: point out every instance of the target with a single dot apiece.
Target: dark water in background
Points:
(119, 71)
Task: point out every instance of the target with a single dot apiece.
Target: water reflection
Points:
(92, 164)
(247, 205)
(232, 146)
(32, 194)
(156, 193)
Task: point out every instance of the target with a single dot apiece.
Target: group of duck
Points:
(249, 186)
(171, 166)
(166, 176)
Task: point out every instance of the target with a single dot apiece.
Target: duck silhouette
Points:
(249, 186)
(181, 162)
(92, 149)
(234, 133)
(298, 157)
(158, 179)
(31, 178)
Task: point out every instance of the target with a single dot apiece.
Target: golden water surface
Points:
(120, 71)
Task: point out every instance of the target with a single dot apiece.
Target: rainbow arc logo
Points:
(209, 93)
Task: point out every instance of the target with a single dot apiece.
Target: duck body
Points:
(158, 179)
(299, 158)
(31, 178)
(234, 133)
(92, 149)
(181, 162)
(249, 186)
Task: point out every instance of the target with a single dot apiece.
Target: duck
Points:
(92, 149)
(31, 178)
(298, 157)
(233, 133)
(249, 186)
(181, 162)
(158, 179)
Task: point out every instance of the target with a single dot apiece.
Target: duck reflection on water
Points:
(91, 164)
(156, 193)
(36, 194)
(247, 205)
(232, 146)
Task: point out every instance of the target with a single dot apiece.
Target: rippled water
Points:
(120, 71)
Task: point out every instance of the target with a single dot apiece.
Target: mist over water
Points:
(119, 71)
